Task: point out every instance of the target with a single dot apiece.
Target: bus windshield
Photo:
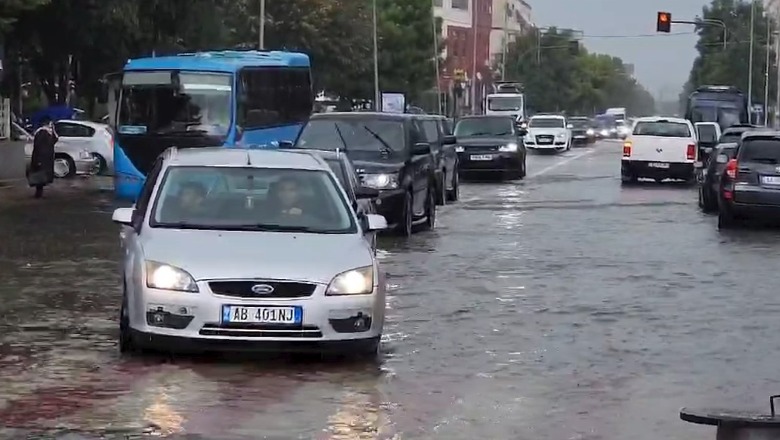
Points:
(504, 103)
(724, 116)
(151, 104)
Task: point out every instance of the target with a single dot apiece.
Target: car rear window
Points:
(760, 150)
(730, 137)
(662, 128)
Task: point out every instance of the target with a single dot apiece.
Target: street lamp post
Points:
(377, 95)
(766, 71)
(262, 25)
(750, 60)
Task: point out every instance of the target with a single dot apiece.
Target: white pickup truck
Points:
(660, 148)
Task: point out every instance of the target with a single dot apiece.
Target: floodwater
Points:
(560, 307)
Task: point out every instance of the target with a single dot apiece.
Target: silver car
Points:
(69, 159)
(230, 249)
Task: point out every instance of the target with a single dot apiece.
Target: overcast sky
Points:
(661, 62)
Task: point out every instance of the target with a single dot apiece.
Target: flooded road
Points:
(561, 307)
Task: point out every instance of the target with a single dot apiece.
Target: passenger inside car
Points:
(285, 196)
(187, 203)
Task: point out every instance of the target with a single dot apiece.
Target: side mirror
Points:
(285, 144)
(365, 192)
(722, 158)
(421, 149)
(374, 222)
(103, 93)
(449, 140)
(123, 216)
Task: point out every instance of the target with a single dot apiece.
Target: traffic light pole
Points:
(704, 21)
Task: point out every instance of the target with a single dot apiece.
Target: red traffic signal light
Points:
(664, 23)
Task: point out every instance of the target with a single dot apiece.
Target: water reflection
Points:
(360, 414)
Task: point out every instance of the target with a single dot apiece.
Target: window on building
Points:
(460, 4)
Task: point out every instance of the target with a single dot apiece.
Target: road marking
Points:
(563, 162)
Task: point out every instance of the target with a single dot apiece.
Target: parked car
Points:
(95, 137)
(69, 159)
(491, 144)
(750, 185)
(438, 133)
(362, 199)
(713, 169)
(390, 153)
(241, 250)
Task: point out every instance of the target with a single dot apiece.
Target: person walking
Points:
(41, 171)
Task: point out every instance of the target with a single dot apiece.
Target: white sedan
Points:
(94, 137)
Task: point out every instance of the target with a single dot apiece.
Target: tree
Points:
(718, 66)
(557, 79)
(11, 9)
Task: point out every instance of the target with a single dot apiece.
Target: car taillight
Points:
(627, 149)
(731, 169)
(691, 153)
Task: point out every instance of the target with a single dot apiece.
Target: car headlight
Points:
(604, 132)
(613, 130)
(561, 135)
(167, 277)
(459, 149)
(589, 132)
(84, 154)
(510, 147)
(380, 181)
(352, 282)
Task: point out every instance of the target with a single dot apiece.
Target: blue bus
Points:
(725, 105)
(248, 99)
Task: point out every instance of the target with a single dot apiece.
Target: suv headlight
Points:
(459, 149)
(84, 154)
(167, 277)
(510, 147)
(380, 181)
(358, 281)
(590, 132)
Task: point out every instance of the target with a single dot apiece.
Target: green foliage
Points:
(85, 39)
(556, 79)
(718, 66)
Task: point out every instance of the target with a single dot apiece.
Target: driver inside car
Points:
(287, 196)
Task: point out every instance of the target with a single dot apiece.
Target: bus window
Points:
(274, 97)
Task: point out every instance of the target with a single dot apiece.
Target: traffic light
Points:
(664, 23)
(574, 47)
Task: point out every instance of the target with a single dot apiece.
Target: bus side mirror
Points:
(103, 93)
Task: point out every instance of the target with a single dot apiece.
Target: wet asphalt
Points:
(559, 307)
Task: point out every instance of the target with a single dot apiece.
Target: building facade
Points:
(466, 28)
(510, 19)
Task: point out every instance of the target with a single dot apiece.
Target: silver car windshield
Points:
(260, 199)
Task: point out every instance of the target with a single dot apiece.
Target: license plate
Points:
(262, 314)
(770, 180)
(658, 165)
(481, 157)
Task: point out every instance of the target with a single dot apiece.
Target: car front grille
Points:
(480, 148)
(544, 139)
(281, 289)
(261, 331)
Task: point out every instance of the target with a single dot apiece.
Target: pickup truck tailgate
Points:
(660, 149)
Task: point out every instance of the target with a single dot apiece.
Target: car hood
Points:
(546, 131)
(370, 162)
(485, 140)
(272, 255)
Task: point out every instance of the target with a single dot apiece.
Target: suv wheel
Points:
(404, 227)
(430, 210)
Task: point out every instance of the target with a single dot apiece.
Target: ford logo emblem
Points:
(262, 289)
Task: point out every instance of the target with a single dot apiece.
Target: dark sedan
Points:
(710, 179)
(579, 126)
(491, 144)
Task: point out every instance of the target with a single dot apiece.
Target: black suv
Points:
(579, 126)
(491, 144)
(710, 178)
(438, 133)
(750, 185)
(390, 154)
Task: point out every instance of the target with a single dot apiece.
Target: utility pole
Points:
(777, 73)
(506, 43)
(474, 30)
(262, 24)
(377, 95)
(766, 71)
(436, 56)
(750, 59)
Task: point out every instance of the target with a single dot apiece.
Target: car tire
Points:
(441, 192)
(430, 211)
(405, 226)
(125, 337)
(64, 166)
(726, 220)
(102, 165)
(454, 194)
(708, 202)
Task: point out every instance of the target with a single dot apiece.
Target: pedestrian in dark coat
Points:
(42, 163)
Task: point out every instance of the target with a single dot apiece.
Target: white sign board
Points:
(393, 102)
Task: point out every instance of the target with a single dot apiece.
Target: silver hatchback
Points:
(235, 250)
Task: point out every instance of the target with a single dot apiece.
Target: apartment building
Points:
(510, 19)
(466, 51)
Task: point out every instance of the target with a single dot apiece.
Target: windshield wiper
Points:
(341, 135)
(264, 227)
(479, 133)
(387, 148)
